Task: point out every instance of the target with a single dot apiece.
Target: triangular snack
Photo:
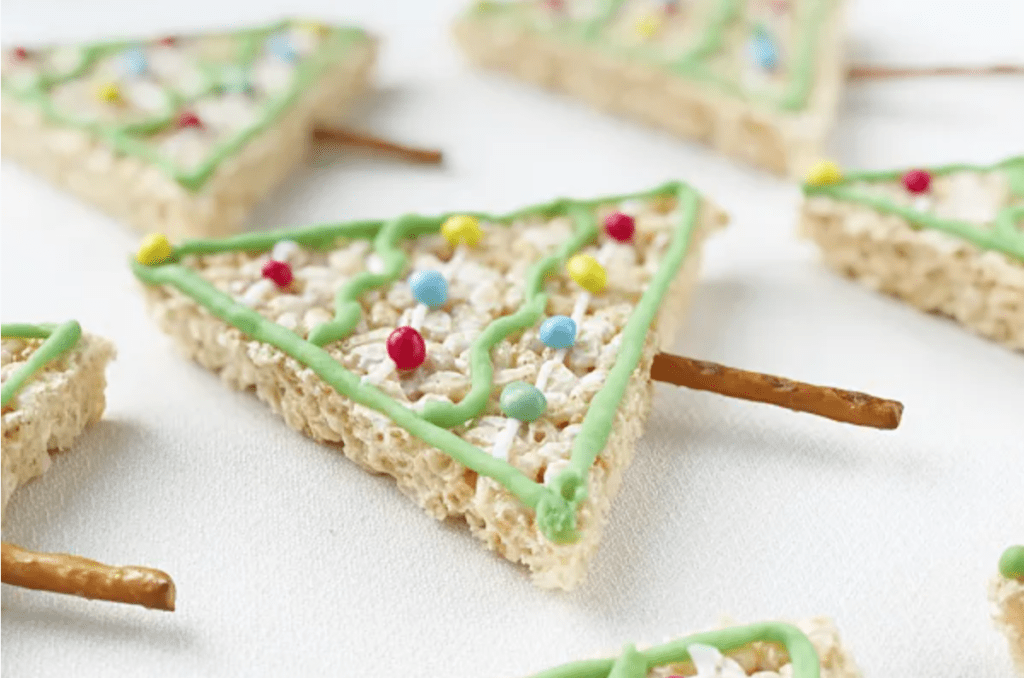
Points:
(1007, 596)
(948, 239)
(808, 649)
(184, 133)
(759, 81)
(329, 324)
(53, 384)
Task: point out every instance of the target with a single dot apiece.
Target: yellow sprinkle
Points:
(648, 25)
(823, 173)
(110, 93)
(462, 229)
(315, 27)
(587, 273)
(155, 249)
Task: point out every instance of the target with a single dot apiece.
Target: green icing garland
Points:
(694, 63)
(1011, 564)
(636, 664)
(58, 340)
(1004, 235)
(555, 506)
(124, 137)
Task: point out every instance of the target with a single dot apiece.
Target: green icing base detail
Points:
(693, 64)
(58, 340)
(124, 137)
(555, 506)
(1004, 235)
(1011, 564)
(637, 664)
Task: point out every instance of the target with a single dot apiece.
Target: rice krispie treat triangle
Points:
(948, 239)
(809, 649)
(53, 387)
(498, 366)
(184, 133)
(759, 80)
(1007, 596)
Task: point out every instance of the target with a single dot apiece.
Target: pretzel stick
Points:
(863, 72)
(846, 406)
(349, 138)
(77, 576)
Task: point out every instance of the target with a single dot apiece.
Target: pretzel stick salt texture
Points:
(846, 406)
(349, 138)
(77, 576)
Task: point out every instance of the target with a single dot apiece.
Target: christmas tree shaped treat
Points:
(182, 133)
(757, 79)
(1007, 596)
(498, 366)
(53, 387)
(948, 239)
(810, 649)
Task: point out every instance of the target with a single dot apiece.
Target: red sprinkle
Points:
(917, 181)
(279, 272)
(620, 226)
(406, 348)
(20, 53)
(189, 119)
(168, 41)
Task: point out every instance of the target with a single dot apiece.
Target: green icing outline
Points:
(693, 63)
(636, 664)
(338, 43)
(57, 341)
(556, 506)
(1011, 563)
(1002, 236)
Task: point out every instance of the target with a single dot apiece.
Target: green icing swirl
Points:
(1011, 564)
(556, 506)
(636, 664)
(127, 138)
(58, 340)
(1004, 236)
(481, 370)
(696, 62)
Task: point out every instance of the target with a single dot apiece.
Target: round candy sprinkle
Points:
(279, 272)
(917, 181)
(824, 173)
(109, 93)
(558, 331)
(462, 229)
(155, 249)
(429, 287)
(281, 46)
(20, 53)
(647, 26)
(620, 226)
(522, 401)
(168, 41)
(133, 62)
(188, 119)
(407, 348)
(762, 50)
(587, 273)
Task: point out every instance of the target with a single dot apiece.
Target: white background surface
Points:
(289, 560)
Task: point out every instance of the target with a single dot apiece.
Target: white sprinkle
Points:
(284, 250)
(255, 294)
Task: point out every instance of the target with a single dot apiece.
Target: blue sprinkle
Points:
(429, 287)
(558, 331)
(762, 50)
(133, 62)
(522, 401)
(280, 45)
